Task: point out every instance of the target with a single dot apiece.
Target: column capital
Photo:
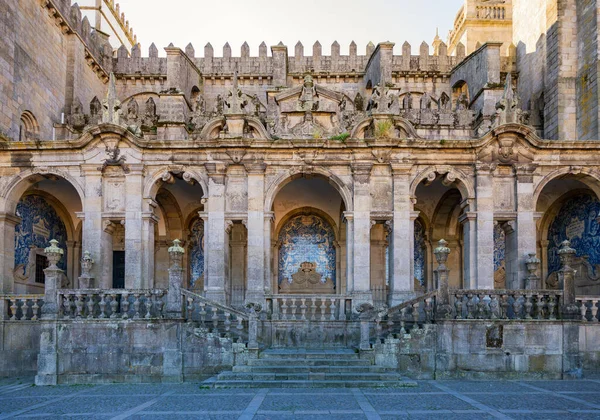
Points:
(361, 172)
(269, 216)
(414, 215)
(524, 173)
(10, 218)
(348, 216)
(485, 169)
(136, 169)
(216, 172)
(255, 168)
(399, 169)
(466, 217)
(203, 215)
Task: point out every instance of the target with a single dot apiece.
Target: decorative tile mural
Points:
(197, 253)
(575, 221)
(307, 239)
(499, 248)
(419, 264)
(39, 224)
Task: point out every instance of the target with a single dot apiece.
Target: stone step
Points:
(309, 376)
(312, 384)
(309, 362)
(311, 369)
(340, 354)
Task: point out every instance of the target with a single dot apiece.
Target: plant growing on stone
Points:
(340, 137)
(384, 128)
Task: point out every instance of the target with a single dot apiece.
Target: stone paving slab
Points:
(449, 400)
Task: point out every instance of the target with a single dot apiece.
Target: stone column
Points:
(485, 227)
(268, 282)
(93, 233)
(566, 281)
(349, 219)
(362, 232)
(468, 221)
(7, 252)
(174, 299)
(214, 228)
(71, 264)
(402, 238)
(149, 221)
(256, 232)
(526, 227)
(106, 254)
(443, 307)
(134, 246)
(513, 278)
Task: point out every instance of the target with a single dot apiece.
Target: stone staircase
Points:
(304, 368)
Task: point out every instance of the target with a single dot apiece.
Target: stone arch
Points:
(587, 176)
(28, 126)
(160, 175)
(212, 128)
(307, 211)
(148, 93)
(286, 177)
(451, 176)
(20, 183)
(172, 212)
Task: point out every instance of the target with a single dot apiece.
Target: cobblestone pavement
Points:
(449, 399)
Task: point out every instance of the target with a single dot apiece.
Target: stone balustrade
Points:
(21, 307)
(219, 318)
(496, 12)
(589, 307)
(111, 304)
(506, 304)
(309, 307)
(403, 318)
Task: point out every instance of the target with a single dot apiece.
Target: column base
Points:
(46, 380)
(396, 298)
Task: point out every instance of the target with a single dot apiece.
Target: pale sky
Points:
(254, 21)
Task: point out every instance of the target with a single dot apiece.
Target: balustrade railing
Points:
(403, 318)
(589, 308)
(506, 304)
(22, 307)
(217, 318)
(491, 12)
(309, 307)
(112, 303)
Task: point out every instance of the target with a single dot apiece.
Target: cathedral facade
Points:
(316, 188)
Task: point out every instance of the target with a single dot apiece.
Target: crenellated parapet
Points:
(98, 51)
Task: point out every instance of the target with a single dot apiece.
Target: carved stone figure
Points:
(462, 103)
(133, 109)
(150, 118)
(426, 101)
(359, 102)
(78, 119)
(407, 101)
(308, 97)
(95, 109)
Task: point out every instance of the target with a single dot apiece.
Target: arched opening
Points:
(29, 128)
(308, 241)
(570, 210)
(440, 200)
(178, 197)
(46, 208)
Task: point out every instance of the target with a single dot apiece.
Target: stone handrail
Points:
(407, 315)
(17, 307)
(496, 12)
(296, 307)
(589, 307)
(506, 304)
(111, 303)
(197, 301)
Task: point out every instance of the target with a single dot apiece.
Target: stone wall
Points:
(19, 348)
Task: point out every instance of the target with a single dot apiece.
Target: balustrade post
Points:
(174, 298)
(443, 308)
(86, 281)
(533, 280)
(566, 278)
(254, 310)
(365, 312)
(52, 273)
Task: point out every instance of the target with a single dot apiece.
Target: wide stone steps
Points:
(300, 368)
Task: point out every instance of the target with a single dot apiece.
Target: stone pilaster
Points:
(280, 61)
(269, 218)
(468, 221)
(7, 252)
(174, 299)
(256, 232)
(134, 245)
(485, 227)
(93, 234)
(526, 228)
(214, 228)
(349, 220)
(149, 220)
(401, 238)
(362, 232)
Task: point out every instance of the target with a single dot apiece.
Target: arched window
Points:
(197, 253)
(28, 128)
(419, 253)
